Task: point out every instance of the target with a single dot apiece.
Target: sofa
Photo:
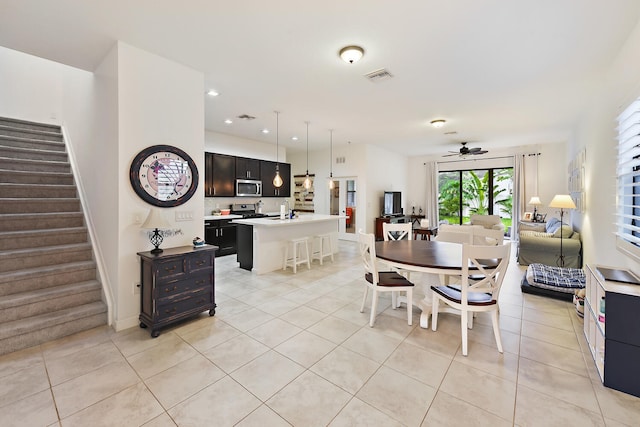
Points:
(540, 243)
(491, 222)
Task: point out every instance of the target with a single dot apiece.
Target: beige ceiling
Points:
(501, 72)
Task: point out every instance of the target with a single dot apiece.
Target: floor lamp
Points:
(562, 201)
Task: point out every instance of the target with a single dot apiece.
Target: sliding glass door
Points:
(462, 193)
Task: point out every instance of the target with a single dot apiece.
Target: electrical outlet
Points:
(136, 288)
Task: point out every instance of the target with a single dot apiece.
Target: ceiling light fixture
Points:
(265, 131)
(228, 121)
(213, 93)
(351, 54)
(294, 138)
(277, 180)
(438, 123)
(307, 181)
(331, 184)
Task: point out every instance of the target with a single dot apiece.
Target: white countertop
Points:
(277, 222)
(231, 216)
(219, 217)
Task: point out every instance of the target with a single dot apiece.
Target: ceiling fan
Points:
(465, 151)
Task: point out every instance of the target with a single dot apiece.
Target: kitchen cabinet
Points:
(247, 168)
(612, 332)
(221, 233)
(175, 284)
(268, 171)
(220, 172)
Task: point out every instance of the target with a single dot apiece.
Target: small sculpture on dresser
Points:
(198, 242)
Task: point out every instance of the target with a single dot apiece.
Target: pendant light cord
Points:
(307, 148)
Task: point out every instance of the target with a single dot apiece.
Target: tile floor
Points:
(288, 349)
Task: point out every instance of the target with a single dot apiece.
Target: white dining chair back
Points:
(397, 231)
(381, 281)
(475, 296)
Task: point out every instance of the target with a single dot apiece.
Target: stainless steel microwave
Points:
(248, 188)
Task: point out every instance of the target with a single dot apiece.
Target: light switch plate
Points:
(184, 215)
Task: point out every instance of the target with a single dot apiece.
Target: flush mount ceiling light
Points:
(438, 123)
(351, 54)
(213, 93)
(228, 121)
(265, 131)
(294, 138)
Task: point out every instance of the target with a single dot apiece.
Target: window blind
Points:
(628, 180)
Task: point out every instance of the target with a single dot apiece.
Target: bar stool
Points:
(299, 254)
(324, 247)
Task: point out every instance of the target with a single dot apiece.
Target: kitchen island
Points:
(262, 241)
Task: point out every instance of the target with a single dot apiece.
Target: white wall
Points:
(596, 133)
(159, 102)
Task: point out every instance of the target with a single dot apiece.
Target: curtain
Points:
(431, 197)
(518, 194)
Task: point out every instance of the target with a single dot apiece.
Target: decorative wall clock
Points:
(164, 176)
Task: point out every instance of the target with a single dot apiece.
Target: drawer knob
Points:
(201, 262)
(200, 282)
(171, 311)
(170, 270)
(170, 289)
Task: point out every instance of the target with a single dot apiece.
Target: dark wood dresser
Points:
(175, 284)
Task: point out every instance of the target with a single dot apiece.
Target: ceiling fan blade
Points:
(478, 152)
(475, 149)
(449, 155)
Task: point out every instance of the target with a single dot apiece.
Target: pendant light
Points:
(331, 184)
(277, 180)
(307, 181)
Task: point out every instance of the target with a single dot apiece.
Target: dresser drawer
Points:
(200, 299)
(171, 267)
(171, 288)
(203, 261)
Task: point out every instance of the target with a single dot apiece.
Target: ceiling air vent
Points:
(378, 75)
(246, 117)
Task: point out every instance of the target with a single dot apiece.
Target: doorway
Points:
(342, 201)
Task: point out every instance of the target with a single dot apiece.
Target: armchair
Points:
(492, 222)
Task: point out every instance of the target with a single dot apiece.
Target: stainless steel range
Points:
(247, 210)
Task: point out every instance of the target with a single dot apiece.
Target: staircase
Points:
(48, 281)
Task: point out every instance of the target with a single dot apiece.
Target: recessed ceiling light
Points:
(351, 54)
(228, 121)
(294, 138)
(213, 93)
(265, 131)
(438, 123)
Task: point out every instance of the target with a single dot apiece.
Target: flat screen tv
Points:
(392, 203)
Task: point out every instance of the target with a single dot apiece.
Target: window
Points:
(478, 191)
(628, 180)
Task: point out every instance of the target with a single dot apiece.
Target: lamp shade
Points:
(535, 201)
(155, 219)
(562, 201)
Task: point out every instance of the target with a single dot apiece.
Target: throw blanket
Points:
(572, 278)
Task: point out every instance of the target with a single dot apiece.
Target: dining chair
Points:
(381, 281)
(397, 231)
(473, 297)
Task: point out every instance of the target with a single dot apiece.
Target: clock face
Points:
(164, 176)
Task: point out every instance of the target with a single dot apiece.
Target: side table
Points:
(424, 232)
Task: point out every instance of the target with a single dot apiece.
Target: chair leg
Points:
(470, 321)
(394, 300)
(434, 313)
(496, 330)
(364, 299)
(464, 314)
(374, 307)
(410, 307)
(306, 248)
(286, 255)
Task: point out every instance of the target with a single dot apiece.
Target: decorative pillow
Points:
(552, 225)
(532, 233)
(565, 230)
